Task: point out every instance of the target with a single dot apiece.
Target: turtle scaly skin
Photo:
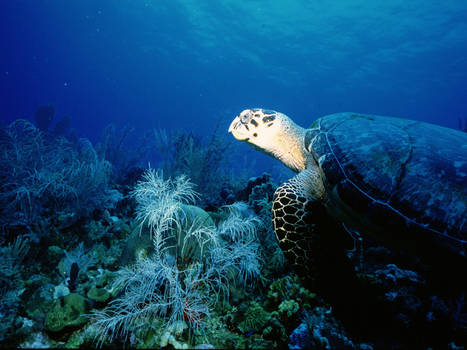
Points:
(293, 216)
(405, 182)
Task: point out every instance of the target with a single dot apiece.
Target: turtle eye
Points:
(245, 118)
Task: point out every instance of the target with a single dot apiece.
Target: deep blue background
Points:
(190, 63)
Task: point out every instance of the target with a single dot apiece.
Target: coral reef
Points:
(320, 330)
(97, 251)
(11, 284)
(255, 318)
(191, 155)
(40, 175)
(190, 268)
(126, 160)
(67, 313)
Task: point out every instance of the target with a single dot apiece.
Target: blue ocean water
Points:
(184, 64)
(177, 72)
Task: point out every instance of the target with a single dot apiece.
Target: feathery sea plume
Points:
(190, 269)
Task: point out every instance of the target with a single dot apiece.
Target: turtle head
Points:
(272, 133)
(257, 127)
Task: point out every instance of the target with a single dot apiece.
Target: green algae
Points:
(255, 318)
(67, 313)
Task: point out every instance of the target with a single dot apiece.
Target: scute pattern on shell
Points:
(398, 173)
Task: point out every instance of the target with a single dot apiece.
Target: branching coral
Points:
(77, 256)
(159, 202)
(118, 148)
(191, 266)
(11, 284)
(186, 153)
(40, 173)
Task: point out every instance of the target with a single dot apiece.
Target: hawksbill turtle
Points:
(400, 180)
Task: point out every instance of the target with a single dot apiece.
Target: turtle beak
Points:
(238, 126)
(234, 124)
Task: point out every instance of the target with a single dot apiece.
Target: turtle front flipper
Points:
(297, 211)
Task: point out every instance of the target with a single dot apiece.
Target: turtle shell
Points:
(403, 176)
